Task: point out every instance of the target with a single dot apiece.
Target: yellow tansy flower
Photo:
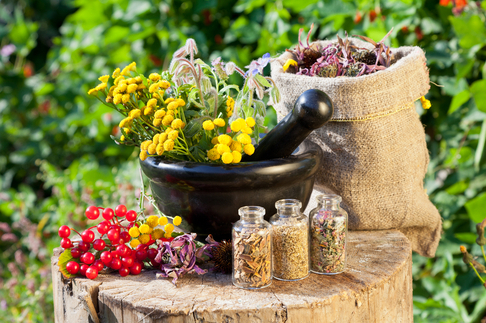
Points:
(227, 158)
(176, 124)
(145, 144)
(244, 139)
(143, 155)
(236, 146)
(236, 156)
(134, 243)
(147, 111)
(152, 103)
(135, 113)
(163, 220)
(249, 149)
(109, 99)
(117, 99)
(180, 102)
(160, 149)
(122, 87)
(125, 122)
(167, 120)
(230, 102)
(101, 86)
(208, 125)
(144, 238)
(219, 122)
(159, 114)
(155, 139)
(125, 98)
(152, 221)
(134, 232)
(225, 140)
(116, 73)
(144, 228)
(215, 141)
(169, 227)
(154, 88)
(152, 149)
(177, 220)
(213, 154)
(168, 130)
(169, 145)
(157, 122)
(425, 103)
(118, 79)
(169, 100)
(104, 78)
(246, 130)
(171, 113)
(238, 124)
(162, 137)
(154, 77)
(164, 84)
(168, 235)
(92, 91)
(250, 122)
(141, 87)
(132, 88)
(158, 234)
(122, 138)
(132, 66)
(172, 106)
(173, 134)
(222, 149)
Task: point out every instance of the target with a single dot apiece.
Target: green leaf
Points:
(262, 80)
(194, 127)
(475, 208)
(479, 150)
(64, 258)
(458, 100)
(466, 237)
(470, 30)
(115, 34)
(458, 188)
(478, 91)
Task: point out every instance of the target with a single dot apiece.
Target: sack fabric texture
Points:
(375, 154)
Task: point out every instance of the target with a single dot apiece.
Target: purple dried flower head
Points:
(178, 257)
(7, 50)
(257, 66)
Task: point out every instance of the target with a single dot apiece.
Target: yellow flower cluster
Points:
(230, 150)
(147, 231)
(425, 103)
(162, 142)
(230, 105)
(211, 124)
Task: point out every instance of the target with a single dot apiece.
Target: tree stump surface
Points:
(376, 287)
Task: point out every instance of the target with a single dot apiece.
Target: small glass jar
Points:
(252, 249)
(328, 234)
(290, 246)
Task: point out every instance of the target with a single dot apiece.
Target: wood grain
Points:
(376, 287)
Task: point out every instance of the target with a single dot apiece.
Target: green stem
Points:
(474, 268)
(484, 255)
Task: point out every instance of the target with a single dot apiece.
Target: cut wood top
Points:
(374, 259)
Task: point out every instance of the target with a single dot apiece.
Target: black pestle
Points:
(311, 110)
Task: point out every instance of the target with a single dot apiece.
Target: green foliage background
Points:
(57, 157)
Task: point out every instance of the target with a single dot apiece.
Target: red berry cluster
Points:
(115, 253)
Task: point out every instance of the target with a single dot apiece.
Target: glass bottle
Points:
(328, 234)
(252, 249)
(290, 236)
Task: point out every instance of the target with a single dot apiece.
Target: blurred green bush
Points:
(57, 157)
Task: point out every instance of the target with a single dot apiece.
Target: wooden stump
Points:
(376, 287)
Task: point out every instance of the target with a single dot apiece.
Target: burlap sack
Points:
(375, 154)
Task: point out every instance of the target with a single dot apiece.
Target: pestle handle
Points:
(311, 110)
